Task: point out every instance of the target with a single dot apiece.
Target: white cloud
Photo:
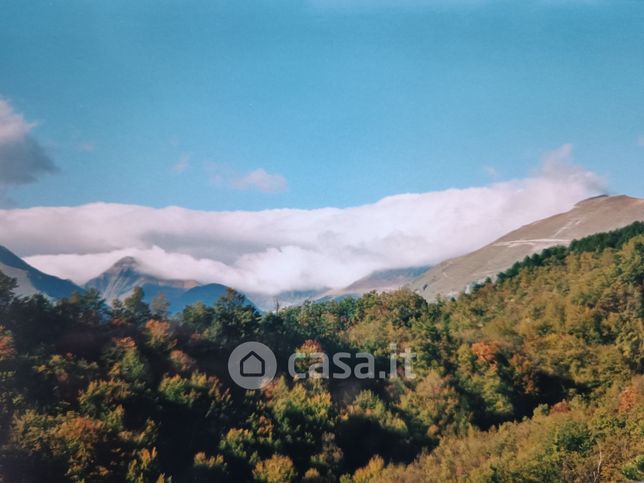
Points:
(258, 179)
(22, 158)
(183, 163)
(556, 157)
(261, 180)
(274, 250)
(491, 172)
(558, 163)
(13, 126)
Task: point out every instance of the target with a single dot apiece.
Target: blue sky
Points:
(250, 105)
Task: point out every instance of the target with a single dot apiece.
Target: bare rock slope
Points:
(594, 215)
(31, 280)
(119, 281)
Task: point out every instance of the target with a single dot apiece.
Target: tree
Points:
(368, 427)
(276, 469)
(7, 287)
(160, 306)
(88, 308)
(302, 415)
(136, 311)
(195, 410)
(433, 407)
(234, 320)
(197, 317)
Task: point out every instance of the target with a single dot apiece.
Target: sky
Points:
(236, 109)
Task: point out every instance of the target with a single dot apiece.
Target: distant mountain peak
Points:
(126, 262)
(132, 267)
(118, 281)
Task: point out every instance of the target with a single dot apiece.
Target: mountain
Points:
(31, 280)
(544, 368)
(266, 302)
(119, 280)
(594, 215)
(207, 294)
(380, 281)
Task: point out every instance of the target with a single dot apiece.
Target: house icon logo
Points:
(252, 365)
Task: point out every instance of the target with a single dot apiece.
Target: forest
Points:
(533, 377)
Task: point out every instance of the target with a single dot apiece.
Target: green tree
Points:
(7, 287)
(159, 307)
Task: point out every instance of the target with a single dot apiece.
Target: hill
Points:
(537, 376)
(31, 280)
(119, 280)
(594, 215)
(379, 281)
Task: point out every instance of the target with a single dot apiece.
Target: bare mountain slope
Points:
(31, 280)
(119, 280)
(594, 215)
(380, 281)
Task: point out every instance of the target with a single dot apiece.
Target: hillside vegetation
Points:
(536, 377)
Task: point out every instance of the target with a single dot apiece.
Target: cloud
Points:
(559, 163)
(558, 156)
(22, 158)
(258, 179)
(287, 249)
(640, 140)
(13, 126)
(491, 172)
(183, 163)
(261, 180)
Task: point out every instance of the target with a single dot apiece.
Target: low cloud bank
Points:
(275, 250)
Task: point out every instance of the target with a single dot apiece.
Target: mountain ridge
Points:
(31, 280)
(450, 277)
(589, 216)
(118, 281)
